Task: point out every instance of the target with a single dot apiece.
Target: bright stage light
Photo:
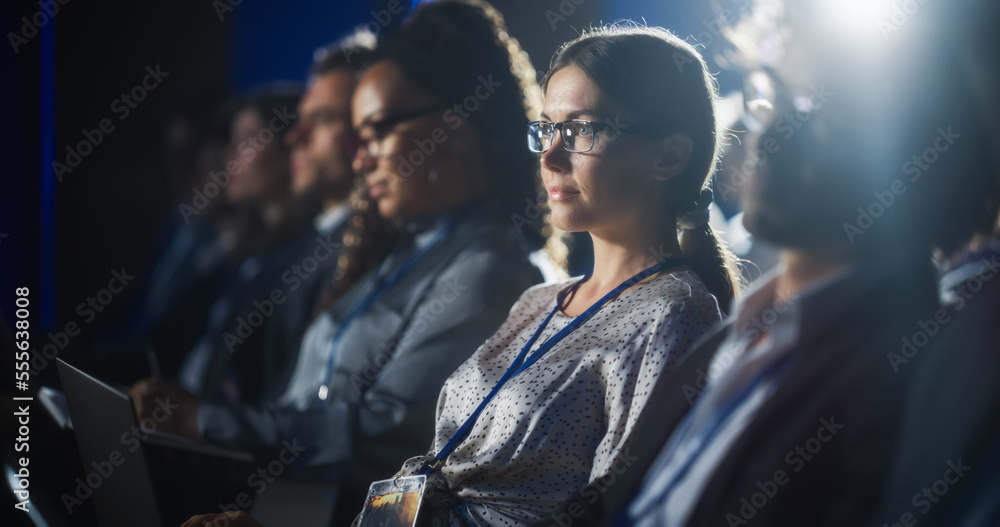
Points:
(860, 18)
(854, 13)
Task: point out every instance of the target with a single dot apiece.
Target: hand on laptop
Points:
(226, 519)
(171, 408)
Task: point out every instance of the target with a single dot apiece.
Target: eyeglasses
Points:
(382, 128)
(577, 135)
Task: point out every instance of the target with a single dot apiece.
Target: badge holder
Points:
(393, 502)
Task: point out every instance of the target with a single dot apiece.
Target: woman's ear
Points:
(674, 155)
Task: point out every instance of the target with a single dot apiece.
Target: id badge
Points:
(393, 502)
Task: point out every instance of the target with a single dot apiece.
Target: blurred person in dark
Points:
(945, 466)
(259, 169)
(736, 162)
(789, 413)
(414, 298)
(259, 241)
(322, 150)
(168, 303)
(189, 274)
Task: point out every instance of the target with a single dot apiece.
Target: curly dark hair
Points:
(450, 47)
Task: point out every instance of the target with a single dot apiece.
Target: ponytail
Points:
(715, 264)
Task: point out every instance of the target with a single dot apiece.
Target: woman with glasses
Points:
(546, 406)
(439, 116)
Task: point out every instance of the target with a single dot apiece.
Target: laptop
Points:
(138, 477)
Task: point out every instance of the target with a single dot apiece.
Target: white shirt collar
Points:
(329, 220)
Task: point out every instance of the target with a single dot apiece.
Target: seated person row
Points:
(587, 351)
(448, 264)
(820, 372)
(261, 238)
(285, 213)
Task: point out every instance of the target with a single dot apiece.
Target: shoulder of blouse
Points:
(696, 293)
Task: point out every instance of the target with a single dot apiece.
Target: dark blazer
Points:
(950, 435)
(830, 425)
(841, 387)
(260, 360)
(188, 278)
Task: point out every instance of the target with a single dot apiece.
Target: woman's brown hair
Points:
(664, 84)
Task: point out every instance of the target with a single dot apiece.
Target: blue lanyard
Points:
(776, 370)
(381, 288)
(521, 363)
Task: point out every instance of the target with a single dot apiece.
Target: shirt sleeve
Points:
(629, 385)
(396, 398)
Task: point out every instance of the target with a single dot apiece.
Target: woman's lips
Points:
(377, 189)
(562, 193)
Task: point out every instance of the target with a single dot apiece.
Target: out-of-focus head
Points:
(876, 124)
(257, 159)
(193, 138)
(441, 115)
(655, 142)
(322, 143)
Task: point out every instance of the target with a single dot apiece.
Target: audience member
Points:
(798, 394)
(362, 395)
(548, 404)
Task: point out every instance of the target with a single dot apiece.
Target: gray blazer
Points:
(392, 360)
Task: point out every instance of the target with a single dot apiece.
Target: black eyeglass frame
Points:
(383, 126)
(597, 126)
